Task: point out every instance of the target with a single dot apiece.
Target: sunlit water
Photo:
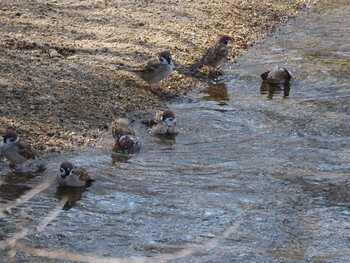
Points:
(266, 178)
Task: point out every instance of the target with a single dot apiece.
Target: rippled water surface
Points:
(251, 176)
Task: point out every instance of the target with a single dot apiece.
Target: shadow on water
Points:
(246, 179)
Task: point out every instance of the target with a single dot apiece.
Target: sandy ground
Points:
(58, 58)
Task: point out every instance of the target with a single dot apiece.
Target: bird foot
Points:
(155, 86)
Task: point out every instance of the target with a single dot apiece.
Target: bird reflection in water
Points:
(166, 139)
(11, 191)
(17, 182)
(73, 194)
(216, 93)
(120, 158)
(272, 88)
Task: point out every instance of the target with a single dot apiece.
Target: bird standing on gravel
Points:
(215, 55)
(154, 70)
(163, 123)
(124, 135)
(14, 148)
(72, 176)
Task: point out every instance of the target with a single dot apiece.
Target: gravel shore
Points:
(58, 58)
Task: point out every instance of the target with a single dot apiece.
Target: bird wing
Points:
(21, 144)
(23, 149)
(214, 54)
(211, 56)
(14, 156)
(153, 66)
(82, 174)
(118, 131)
(158, 117)
(159, 128)
(201, 62)
(121, 127)
(206, 54)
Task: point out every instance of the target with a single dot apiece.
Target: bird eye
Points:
(170, 119)
(72, 172)
(61, 170)
(12, 139)
(161, 59)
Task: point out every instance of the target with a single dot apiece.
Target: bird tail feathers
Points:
(195, 66)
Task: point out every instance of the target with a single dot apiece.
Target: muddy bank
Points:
(57, 59)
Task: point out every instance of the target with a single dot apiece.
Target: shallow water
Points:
(249, 178)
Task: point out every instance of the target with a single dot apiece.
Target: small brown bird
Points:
(14, 148)
(163, 123)
(154, 70)
(215, 55)
(72, 176)
(124, 135)
(277, 76)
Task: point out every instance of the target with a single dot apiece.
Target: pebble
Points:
(102, 50)
(53, 53)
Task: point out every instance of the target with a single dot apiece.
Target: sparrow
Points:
(124, 135)
(154, 70)
(72, 176)
(14, 148)
(163, 123)
(277, 76)
(215, 55)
